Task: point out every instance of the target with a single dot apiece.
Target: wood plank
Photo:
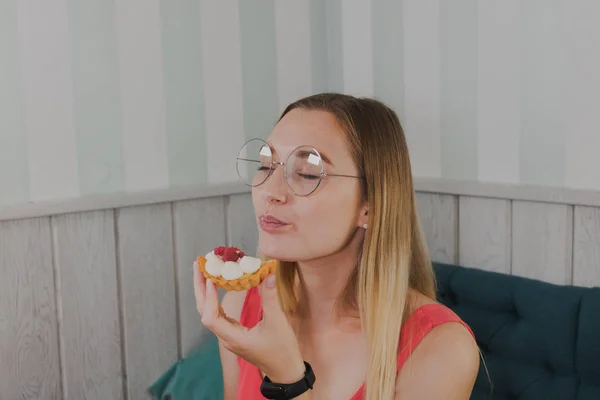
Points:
(147, 273)
(199, 227)
(29, 347)
(242, 230)
(542, 241)
(586, 247)
(88, 300)
(484, 233)
(438, 216)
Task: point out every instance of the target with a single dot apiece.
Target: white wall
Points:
(142, 94)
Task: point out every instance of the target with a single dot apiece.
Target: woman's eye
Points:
(308, 176)
(263, 168)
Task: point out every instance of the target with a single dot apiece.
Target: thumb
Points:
(272, 311)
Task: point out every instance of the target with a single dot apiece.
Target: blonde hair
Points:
(393, 256)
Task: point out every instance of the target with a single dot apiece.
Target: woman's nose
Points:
(275, 188)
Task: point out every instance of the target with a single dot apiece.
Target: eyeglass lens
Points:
(303, 168)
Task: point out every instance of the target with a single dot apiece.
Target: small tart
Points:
(244, 282)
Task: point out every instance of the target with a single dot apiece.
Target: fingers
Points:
(199, 280)
(272, 312)
(199, 288)
(213, 317)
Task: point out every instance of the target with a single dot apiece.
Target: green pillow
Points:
(196, 377)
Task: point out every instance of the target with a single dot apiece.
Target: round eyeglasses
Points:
(303, 168)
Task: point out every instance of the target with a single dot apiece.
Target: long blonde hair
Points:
(394, 256)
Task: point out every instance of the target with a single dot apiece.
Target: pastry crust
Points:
(247, 281)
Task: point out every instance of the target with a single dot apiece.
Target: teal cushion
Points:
(540, 341)
(588, 346)
(196, 377)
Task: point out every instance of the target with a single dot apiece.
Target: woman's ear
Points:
(363, 217)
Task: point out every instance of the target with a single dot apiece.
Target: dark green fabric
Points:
(588, 346)
(196, 377)
(540, 341)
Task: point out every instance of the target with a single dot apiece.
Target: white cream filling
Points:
(214, 265)
(250, 264)
(231, 270)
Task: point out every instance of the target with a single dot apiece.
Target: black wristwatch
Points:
(280, 391)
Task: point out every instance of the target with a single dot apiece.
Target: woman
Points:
(354, 292)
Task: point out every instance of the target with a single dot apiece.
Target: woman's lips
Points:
(269, 223)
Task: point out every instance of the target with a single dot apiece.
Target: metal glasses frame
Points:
(274, 165)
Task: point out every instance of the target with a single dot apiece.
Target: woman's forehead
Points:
(318, 129)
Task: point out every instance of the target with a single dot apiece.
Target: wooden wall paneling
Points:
(147, 274)
(438, 216)
(242, 231)
(85, 257)
(199, 227)
(542, 241)
(484, 233)
(586, 247)
(29, 347)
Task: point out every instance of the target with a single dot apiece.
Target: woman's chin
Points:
(276, 255)
(276, 251)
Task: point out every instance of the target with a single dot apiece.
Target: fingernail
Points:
(271, 281)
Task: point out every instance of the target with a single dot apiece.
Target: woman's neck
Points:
(324, 280)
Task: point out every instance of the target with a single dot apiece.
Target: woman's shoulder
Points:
(447, 351)
(431, 323)
(436, 342)
(428, 313)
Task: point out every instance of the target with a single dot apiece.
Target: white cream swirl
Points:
(230, 270)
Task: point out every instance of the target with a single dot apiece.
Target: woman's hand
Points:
(271, 345)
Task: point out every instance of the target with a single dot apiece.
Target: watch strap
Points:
(280, 391)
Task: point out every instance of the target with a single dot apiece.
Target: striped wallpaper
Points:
(104, 96)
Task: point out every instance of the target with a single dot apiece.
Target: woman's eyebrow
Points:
(326, 159)
(323, 155)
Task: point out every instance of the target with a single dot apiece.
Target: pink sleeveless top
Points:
(418, 324)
